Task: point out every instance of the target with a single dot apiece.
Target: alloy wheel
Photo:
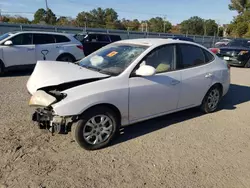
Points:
(213, 99)
(98, 129)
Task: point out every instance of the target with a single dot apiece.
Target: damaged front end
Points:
(44, 114)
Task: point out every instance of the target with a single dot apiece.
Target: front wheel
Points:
(96, 128)
(211, 100)
(66, 58)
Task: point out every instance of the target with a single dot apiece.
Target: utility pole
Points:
(47, 7)
(164, 19)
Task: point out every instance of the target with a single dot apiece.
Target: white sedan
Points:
(124, 83)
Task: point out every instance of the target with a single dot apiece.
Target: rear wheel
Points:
(211, 100)
(247, 65)
(66, 58)
(96, 129)
(1, 68)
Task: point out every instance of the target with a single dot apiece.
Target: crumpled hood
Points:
(52, 73)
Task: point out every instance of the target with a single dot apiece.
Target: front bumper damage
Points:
(47, 119)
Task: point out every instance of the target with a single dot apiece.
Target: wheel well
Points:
(1, 62)
(220, 86)
(110, 106)
(65, 54)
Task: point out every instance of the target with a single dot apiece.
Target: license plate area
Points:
(226, 58)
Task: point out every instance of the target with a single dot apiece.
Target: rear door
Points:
(46, 48)
(195, 76)
(22, 52)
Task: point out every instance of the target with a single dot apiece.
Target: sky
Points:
(174, 10)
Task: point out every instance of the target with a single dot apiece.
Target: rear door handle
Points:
(174, 82)
(31, 49)
(209, 75)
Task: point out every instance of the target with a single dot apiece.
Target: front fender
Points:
(79, 100)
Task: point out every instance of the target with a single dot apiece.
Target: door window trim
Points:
(176, 59)
(181, 57)
(19, 35)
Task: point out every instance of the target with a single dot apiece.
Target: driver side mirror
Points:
(8, 43)
(145, 70)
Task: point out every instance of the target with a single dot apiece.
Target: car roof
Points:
(154, 41)
(42, 32)
(97, 33)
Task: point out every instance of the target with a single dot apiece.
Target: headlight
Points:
(41, 98)
(243, 52)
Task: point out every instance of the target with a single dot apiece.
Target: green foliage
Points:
(42, 15)
(193, 26)
(239, 5)
(157, 24)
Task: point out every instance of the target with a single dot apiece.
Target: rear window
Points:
(115, 38)
(61, 39)
(103, 38)
(208, 56)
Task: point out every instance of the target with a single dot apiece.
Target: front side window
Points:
(43, 39)
(190, 56)
(113, 59)
(162, 59)
(22, 39)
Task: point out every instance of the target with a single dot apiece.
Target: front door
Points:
(158, 94)
(196, 78)
(22, 52)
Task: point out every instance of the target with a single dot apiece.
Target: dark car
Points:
(94, 41)
(183, 38)
(236, 53)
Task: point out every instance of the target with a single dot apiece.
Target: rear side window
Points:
(190, 56)
(208, 56)
(61, 39)
(115, 38)
(103, 38)
(22, 39)
(43, 39)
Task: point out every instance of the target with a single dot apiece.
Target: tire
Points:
(213, 94)
(1, 68)
(247, 65)
(97, 135)
(66, 58)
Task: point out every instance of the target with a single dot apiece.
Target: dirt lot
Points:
(186, 149)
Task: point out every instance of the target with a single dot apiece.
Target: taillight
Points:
(80, 47)
(214, 50)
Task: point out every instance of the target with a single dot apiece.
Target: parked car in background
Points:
(236, 53)
(23, 49)
(94, 41)
(184, 38)
(222, 43)
(123, 83)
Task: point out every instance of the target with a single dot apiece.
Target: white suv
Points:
(22, 49)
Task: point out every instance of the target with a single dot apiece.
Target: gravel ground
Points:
(185, 149)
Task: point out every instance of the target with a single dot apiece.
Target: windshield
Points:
(240, 43)
(113, 59)
(4, 36)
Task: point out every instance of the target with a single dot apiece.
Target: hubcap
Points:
(98, 129)
(213, 99)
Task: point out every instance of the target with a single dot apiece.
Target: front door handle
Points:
(174, 82)
(209, 75)
(31, 49)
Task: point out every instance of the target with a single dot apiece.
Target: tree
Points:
(50, 17)
(176, 29)
(239, 5)
(85, 19)
(63, 20)
(211, 27)
(42, 15)
(39, 16)
(194, 26)
(157, 24)
(131, 25)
